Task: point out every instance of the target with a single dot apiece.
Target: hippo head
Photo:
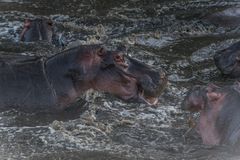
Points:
(219, 112)
(37, 29)
(151, 82)
(228, 60)
(201, 97)
(118, 74)
(138, 80)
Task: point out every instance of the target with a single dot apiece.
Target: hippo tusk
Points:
(148, 100)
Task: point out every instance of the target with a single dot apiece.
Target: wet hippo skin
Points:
(56, 82)
(228, 60)
(226, 18)
(219, 108)
(40, 29)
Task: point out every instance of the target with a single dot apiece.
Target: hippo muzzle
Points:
(144, 83)
(151, 82)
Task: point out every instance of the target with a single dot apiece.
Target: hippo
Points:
(227, 60)
(54, 83)
(229, 17)
(40, 29)
(219, 108)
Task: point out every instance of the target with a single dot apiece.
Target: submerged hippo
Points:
(228, 60)
(227, 18)
(40, 29)
(219, 108)
(56, 82)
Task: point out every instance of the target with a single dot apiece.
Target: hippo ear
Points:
(214, 96)
(101, 51)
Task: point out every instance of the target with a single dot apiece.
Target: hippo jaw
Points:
(151, 82)
(131, 88)
(147, 99)
(142, 91)
(128, 79)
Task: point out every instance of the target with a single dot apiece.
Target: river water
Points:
(167, 33)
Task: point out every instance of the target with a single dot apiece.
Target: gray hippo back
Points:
(24, 83)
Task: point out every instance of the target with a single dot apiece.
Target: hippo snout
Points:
(152, 85)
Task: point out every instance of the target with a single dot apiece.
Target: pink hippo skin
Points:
(219, 109)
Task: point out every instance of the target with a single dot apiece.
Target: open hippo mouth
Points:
(148, 99)
(150, 82)
(148, 90)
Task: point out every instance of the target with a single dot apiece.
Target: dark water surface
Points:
(166, 33)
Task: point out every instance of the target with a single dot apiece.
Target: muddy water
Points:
(168, 34)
